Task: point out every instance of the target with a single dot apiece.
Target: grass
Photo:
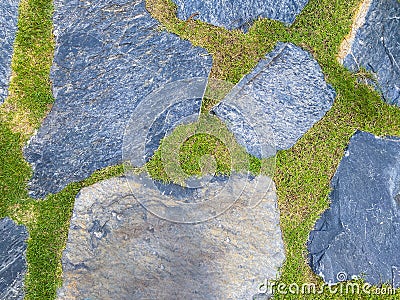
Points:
(302, 173)
(200, 148)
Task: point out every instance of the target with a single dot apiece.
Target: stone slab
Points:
(376, 47)
(12, 259)
(360, 233)
(239, 14)
(283, 97)
(8, 25)
(109, 55)
(118, 250)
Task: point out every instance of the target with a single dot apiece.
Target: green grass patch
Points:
(202, 148)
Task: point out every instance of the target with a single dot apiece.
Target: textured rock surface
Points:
(360, 232)
(239, 14)
(109, 56)
(118, 250)
(8, 25)
(376, 47)
(12, 259)
(286, 90)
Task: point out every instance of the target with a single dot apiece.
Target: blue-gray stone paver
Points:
(376, 47)
(8, 25)
(239, 14)
(283, 97)
(12, 259)
(360, 233)
(117, 249)
(109, 56)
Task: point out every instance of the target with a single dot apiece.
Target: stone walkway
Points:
(117, 247)
(114, 74)
(8, 25)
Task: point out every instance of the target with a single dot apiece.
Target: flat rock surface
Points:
(12, 259)
(376, 47)
(109, 56)
(360, 232)
(281, 98)
(118, 250)
(238, 13)
(8, 25)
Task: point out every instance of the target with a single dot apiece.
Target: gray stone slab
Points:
(118, 250)
(376, 47)
(12, 259)
(282, 98)
(8, 25)
(109, 56)
(239, 14)
(360, 233)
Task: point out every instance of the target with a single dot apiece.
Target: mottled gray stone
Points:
(12, 259)
(8, 25)
(376, 47)
(281, 98)
(360, 233)
(109, 56)
(238, 13)
(118, 250)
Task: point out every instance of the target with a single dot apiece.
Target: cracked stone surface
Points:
(360, 232)
(118, 250)
(8, 25)
(286, 91)
(239, 14)
(12, 259)
(109, 56)
(376, 47)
